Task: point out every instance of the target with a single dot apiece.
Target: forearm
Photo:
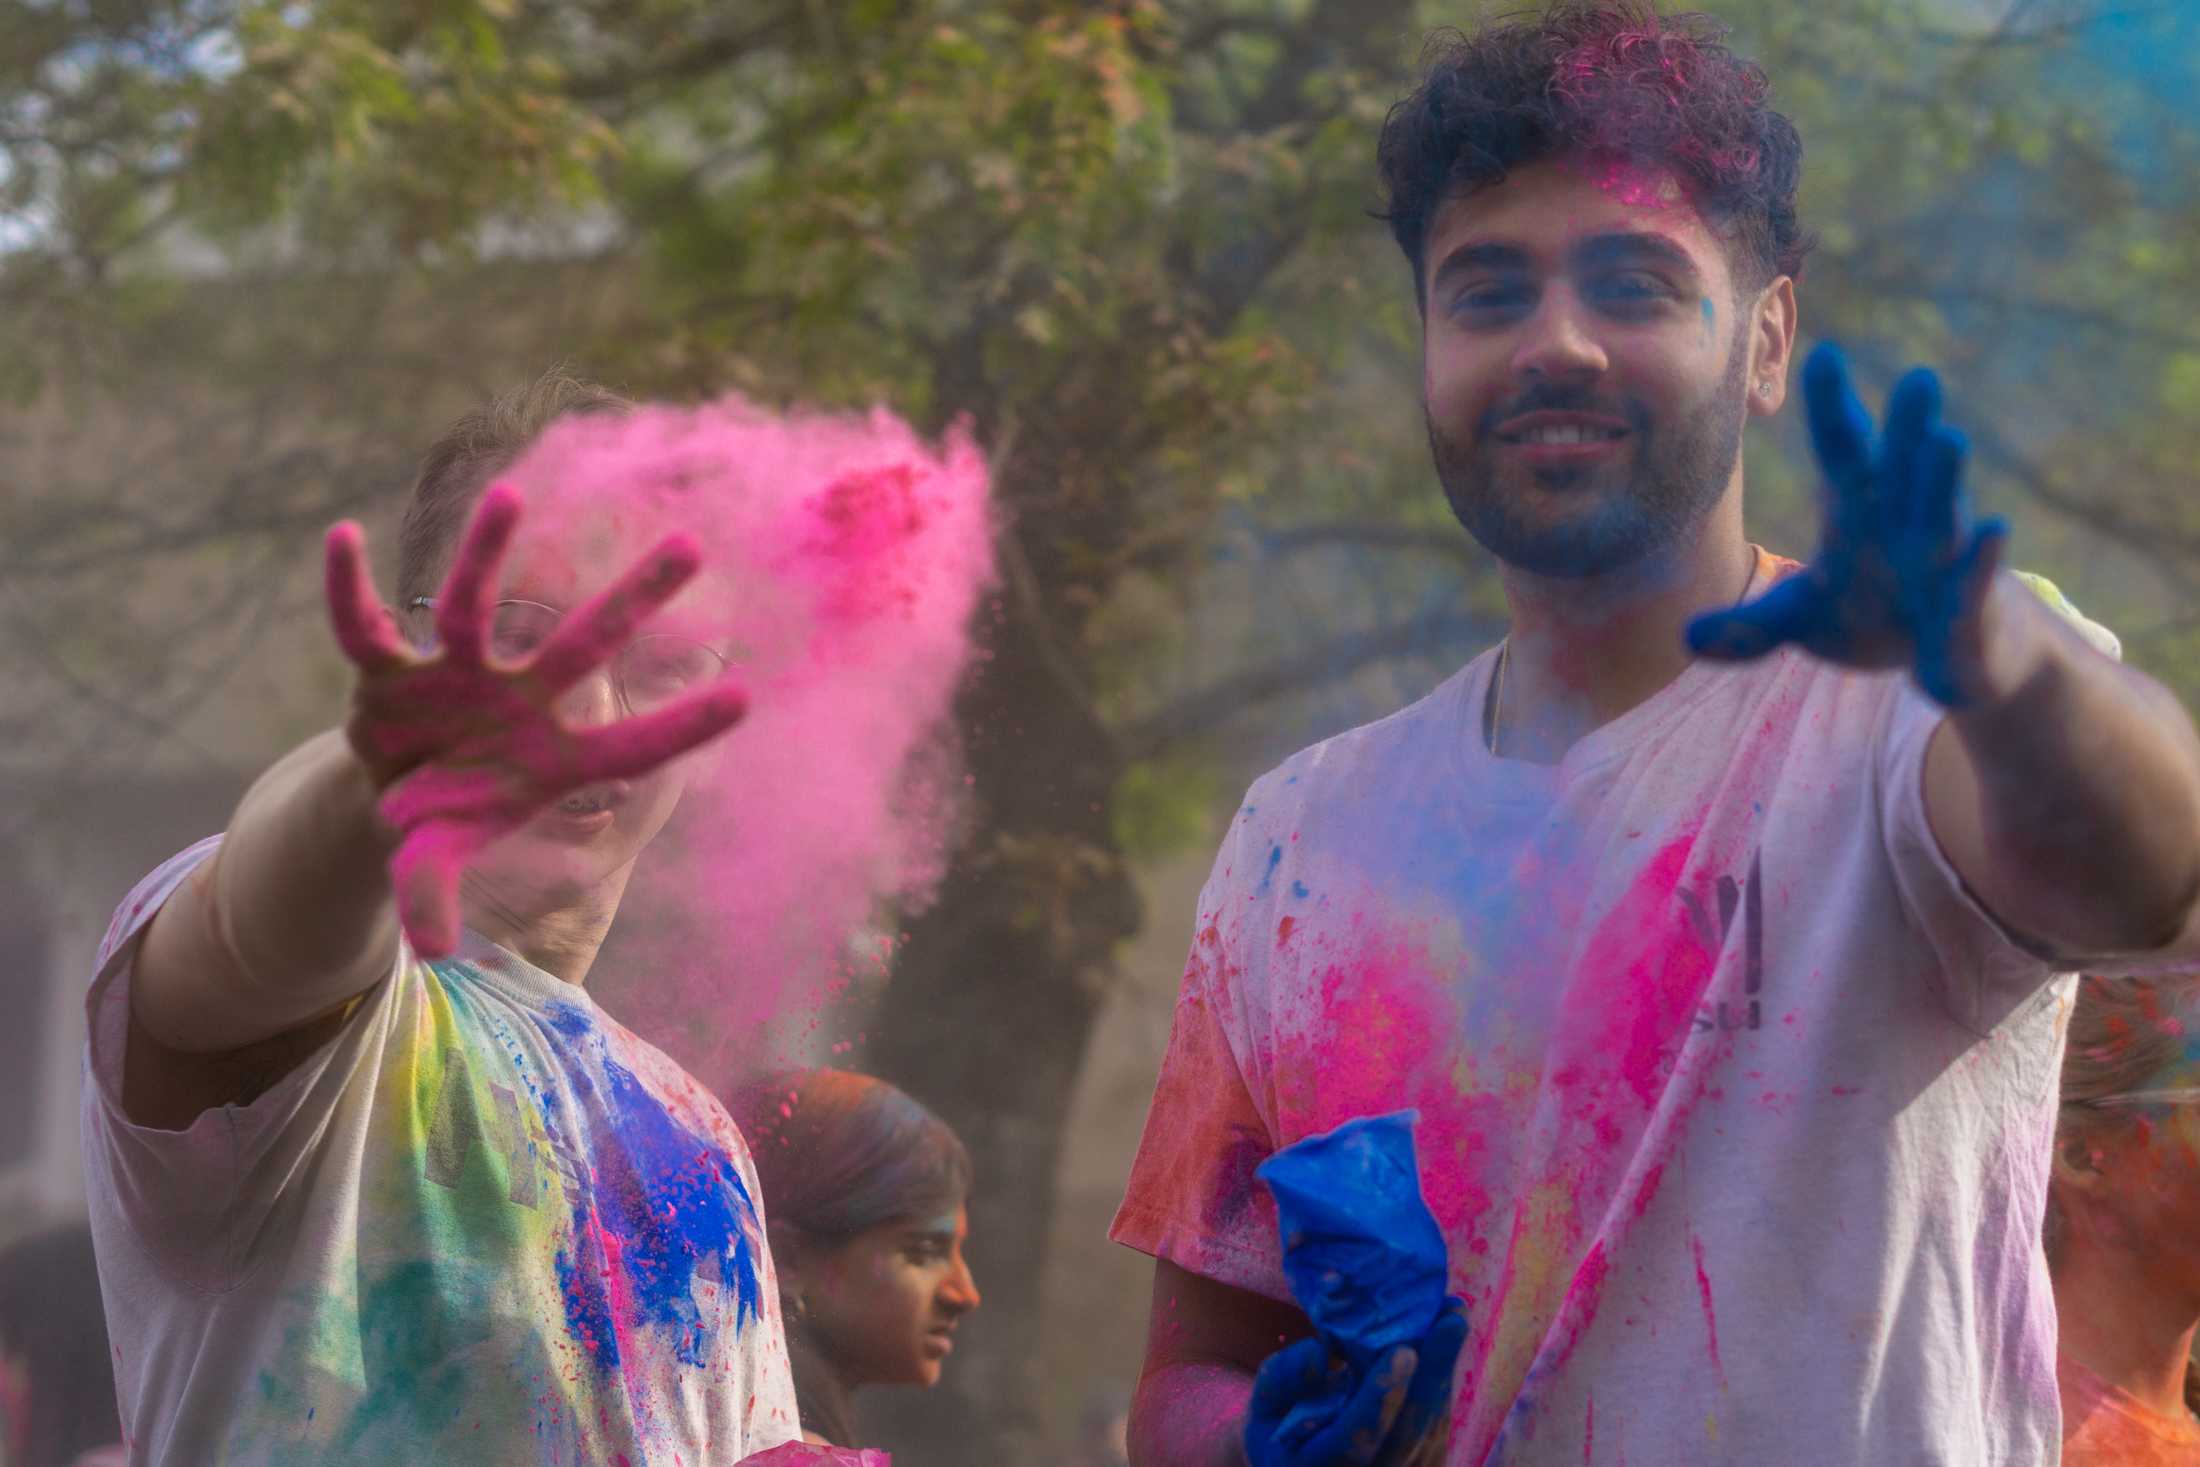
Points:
(293, 916)
(2084, 787)
(1190, 1414)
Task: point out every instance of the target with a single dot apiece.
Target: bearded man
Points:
(1717, 921)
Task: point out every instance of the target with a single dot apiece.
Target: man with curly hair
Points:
(1716, 922)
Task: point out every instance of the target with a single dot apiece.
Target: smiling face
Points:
(886, 1302)
(1587, 366)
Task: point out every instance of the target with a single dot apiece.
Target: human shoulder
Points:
(143, 901)
(1345, 765)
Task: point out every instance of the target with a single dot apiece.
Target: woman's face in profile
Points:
(887, 1301)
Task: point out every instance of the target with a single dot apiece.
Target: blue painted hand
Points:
(1902, 572)
(1308, 1410)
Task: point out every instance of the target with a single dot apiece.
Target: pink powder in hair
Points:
(842, 558)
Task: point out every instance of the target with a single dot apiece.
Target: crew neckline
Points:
(1608, 740)
(516, 977)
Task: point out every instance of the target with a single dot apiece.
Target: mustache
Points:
(1556, 397)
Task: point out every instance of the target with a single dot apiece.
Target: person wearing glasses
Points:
(2123, 1214)
(372, 1178)
(647, 674)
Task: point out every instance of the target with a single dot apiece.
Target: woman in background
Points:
(864, 1201)
(2123, 1214)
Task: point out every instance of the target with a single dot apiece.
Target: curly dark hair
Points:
(1603, 79)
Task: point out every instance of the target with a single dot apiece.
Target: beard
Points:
(1618, 515)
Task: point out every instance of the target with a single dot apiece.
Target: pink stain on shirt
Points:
(1386, 1023)
(1644, 974)
(1575, 1311)
(619, 1292)
(1710, 1313)
(1617, 1105)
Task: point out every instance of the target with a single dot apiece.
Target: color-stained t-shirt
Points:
(2107, 1426)
(484, 1224)
(1735, 1107)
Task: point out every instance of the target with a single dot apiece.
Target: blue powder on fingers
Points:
(1361, 1250)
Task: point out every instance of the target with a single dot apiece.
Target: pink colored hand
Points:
(803, 1454)
(465, 749)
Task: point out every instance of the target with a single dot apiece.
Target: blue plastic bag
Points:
(1361, 1250)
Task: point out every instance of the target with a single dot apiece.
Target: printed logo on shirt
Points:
(1744, 899)
(460, 1128)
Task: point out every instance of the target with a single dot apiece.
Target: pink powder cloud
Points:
(843, 559)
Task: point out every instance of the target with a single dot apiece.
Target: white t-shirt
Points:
(1736, 1109)
(484, 1224)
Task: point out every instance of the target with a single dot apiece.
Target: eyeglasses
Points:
(647, 673)
(2178, 1095)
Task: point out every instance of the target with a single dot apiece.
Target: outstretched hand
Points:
(466, 749)
(1307, 1409)
(1902, 571)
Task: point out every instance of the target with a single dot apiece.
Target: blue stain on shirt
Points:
(666, 1201)
(1275, 859)
(1298, 890)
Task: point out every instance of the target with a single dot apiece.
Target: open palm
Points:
(465, 748)
(1902, 570)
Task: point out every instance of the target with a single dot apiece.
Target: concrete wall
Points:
(70, 848)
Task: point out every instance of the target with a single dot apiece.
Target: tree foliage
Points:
(1129, 243)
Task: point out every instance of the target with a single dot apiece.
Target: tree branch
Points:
(1363, 535)
(234, 510)
(1337, 31)
(2158, 544)
(698, 60)
(2103, 321)
(2006, 34)
(1327, 662)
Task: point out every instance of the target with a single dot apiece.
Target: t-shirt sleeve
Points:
(1192, 1197)
(193, 1199)
(1984, 969)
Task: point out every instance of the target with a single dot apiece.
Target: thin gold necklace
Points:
(1504, 655)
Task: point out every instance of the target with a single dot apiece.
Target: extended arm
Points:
(364, 832)
(2067, 791)
(291, 917)
(2064, 788)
